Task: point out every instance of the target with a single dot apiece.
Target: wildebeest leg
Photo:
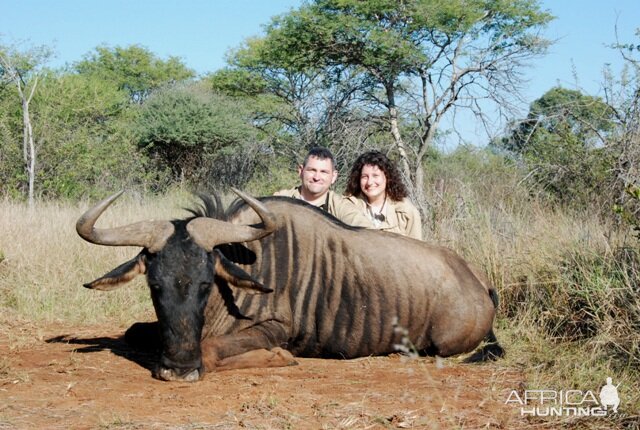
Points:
(276, 357)
(258, 346)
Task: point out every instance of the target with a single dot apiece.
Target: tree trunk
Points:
(29, 150)
(418, 173)
(414, 175)
(395, 132)
(16, 76)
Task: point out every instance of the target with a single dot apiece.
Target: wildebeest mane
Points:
(209, 207)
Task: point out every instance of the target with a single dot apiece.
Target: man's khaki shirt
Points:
(341, 207)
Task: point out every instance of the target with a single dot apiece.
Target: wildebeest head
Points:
(180, 275)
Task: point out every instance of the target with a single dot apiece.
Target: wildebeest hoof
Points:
(169, 375)
(284, 356)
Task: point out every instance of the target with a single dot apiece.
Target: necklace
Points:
(379, 216)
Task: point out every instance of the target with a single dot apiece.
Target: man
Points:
(317, 173)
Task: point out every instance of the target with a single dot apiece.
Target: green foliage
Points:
(11, 164)
(562, 140)
(626, 213)
(80, 125)
(84, 145)
(77, 99)
(266, 97)
(188, 128)
(330, 33)
(133, 69)
(22, 71)
(86, 165)
(24, 62)
(237, 82)
(568, 114)
(271, 175)
(389, 38)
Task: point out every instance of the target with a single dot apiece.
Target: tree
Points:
(23, 70)
(82, 128)
(133, 69)
(419, 59)
(189, 129)
(299, 108)
(567, 113)
(564, 140)
(623, 95)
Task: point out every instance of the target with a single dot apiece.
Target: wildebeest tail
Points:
(491, 350)
(494, 297)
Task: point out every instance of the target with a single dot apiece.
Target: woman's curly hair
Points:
(395, 190)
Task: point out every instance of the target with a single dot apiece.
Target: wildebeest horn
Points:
(208, 232)
(152, 235)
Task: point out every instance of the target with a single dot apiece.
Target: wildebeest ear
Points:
(120, 275)
(235, 276)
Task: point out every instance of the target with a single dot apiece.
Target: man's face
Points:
(317, 176)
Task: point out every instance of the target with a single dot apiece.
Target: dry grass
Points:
(568, 283)
(45, 261)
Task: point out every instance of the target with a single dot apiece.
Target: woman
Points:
(374, 185)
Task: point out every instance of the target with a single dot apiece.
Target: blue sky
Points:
(582, 29)
(202, 31)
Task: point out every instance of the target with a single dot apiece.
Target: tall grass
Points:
(569, 282)
(45, 261)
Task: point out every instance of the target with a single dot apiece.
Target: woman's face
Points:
(373, 182)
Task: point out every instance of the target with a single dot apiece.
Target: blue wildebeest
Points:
(275, 278)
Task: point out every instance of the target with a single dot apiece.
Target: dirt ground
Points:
(87, 377)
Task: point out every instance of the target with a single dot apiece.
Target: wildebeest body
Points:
(340, 291)
(283, 274)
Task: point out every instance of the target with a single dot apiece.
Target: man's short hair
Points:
(322, 154)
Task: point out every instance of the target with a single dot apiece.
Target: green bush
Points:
(630, 212)
(195, 133)
(561, 141)
(272, 174)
